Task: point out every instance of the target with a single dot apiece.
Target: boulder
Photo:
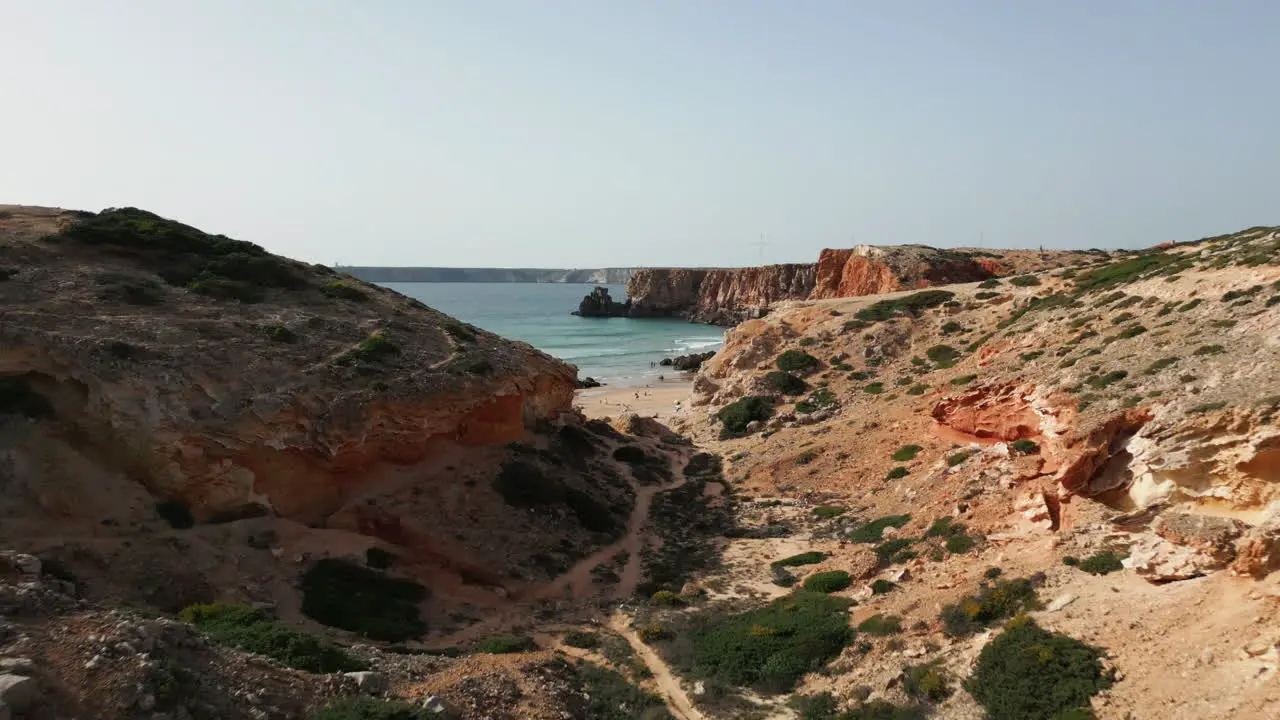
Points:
(599, 304)
(589, 382)
(1208, 534)
(1257, 551)
(18, 692)
(373, 683)
(1157, 560)
(687, 363)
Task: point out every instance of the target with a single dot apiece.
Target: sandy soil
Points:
(662, 400)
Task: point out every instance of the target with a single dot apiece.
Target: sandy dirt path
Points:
(678, 701)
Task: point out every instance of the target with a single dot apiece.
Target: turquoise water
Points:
(616, 351)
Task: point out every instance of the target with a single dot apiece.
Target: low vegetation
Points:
(1028, 673)
(995, 602)
(819, 399)
(805, 558)
(906, 453)
(250, 630)
(375, 348)
(1102, 563)
(344, 595)
(368, 708)
(737, 415)
(796, 361)
(828, 582)
(1025, 281)
(1024, 446)
(828, 511)
(911, 305)
(873, 532)
(506, 644)
(768, 649)
(897, 473)
(785, 383)
(881, 625)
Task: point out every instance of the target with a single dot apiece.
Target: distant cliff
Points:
(727, 297)
(720, 297)
(602, 276)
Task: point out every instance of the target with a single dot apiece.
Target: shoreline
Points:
(659, 399)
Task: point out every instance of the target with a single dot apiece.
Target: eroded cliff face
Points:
(285, 405)
(729, 296)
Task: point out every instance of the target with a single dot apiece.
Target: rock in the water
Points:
(589, 382)
(599, 304)
(19, 693)
(688, 363)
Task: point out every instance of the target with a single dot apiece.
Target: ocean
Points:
(615, 351)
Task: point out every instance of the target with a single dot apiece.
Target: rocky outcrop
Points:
(720, 297)
(687, 363)
(609, 276)
(261, 382)
(600, 304)
(871, 270)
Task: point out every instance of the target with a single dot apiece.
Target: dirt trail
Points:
(576, 583)
(678, 701)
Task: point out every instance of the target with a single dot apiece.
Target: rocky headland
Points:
(730, 296)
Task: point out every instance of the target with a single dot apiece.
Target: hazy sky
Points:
(651, 132)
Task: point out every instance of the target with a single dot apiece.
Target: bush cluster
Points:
(828, 582)
(249, 630)
(881, 625)
(812, 557)
(911, 305)
(367, 708)
(1028, 673)
(873, 532)
(344, 595)
(738, 414)
(796, 361)
(906, 453)
(522, 484)
(505, 644)
(769, 648)
(785, 383)
(1102, 563)
(1001, 600)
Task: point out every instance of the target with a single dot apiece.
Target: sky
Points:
(593, 133)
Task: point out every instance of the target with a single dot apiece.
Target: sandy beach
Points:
(658, 399)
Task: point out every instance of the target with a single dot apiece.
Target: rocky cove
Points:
(239, 486)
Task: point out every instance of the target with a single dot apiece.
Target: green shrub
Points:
(828, 511)
(796, 361)
(1123, 272)
(1204, 350)
(960, 544)
(341, 594)
(964, 379)
(958, 458)
(1024, 281)
(1102, 563)
(806, 341)
(973, 346)
(1024, 446)
(906, 453)
(582, 639)
(1207, 407)
(912, 305)
(368, 708)
(873, 532)
(1236, 294)
(666, 598)
(944, 527)
(952, 327)
(881, 625)
(992, 603)
(506, 644)
(737, 415)
(819, 399)
(918, 389)
(855, 324)
(889, 548)
(896, 473)
(805, 558)
(989, 283)
(1190, 305)
(375, 348)
(130, 289)
(942, 353)
(828, 582)
(992, 573)
(609, 696)
(785, 383)
(1070, 561)
(1131, 332)
(925, 683)
(1027, 673)
(249, 630)
(769, 648)
(1159, 365)
(986, 295)
(344, 291)
(1100, 381)
(1028, 357)
(882, 587)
